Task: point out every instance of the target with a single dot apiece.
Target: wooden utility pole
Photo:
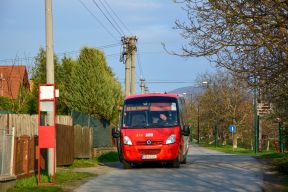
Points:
(128, 56)
(49, 73)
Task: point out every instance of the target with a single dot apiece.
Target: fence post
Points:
(3, 148)
(12, 150)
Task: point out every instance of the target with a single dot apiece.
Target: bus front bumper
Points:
(150, 153)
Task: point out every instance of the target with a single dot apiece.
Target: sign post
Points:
(232, 129)
(46, 131)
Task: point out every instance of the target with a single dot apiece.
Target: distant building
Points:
(11, 78)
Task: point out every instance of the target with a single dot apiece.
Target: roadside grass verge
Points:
(229, 149)
(81, 163)
(30, 184)
(279, 160)
(111, 156)
(63, 175)
(107, 157)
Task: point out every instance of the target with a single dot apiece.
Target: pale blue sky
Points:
(22, 33)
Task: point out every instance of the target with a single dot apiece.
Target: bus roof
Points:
(173, 95)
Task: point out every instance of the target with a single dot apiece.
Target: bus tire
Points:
(176, 162)
(126, 165)
(184, 161)
(183, 157)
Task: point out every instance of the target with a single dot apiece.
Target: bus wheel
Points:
(126, 165)
(183, 157)
(176, 162)
(184, 161)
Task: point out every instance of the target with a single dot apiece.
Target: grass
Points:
(80, 163)
(30, 184)
(63, 176)
(279, 160)
(107, 157)
(229, 149)
(36, 189)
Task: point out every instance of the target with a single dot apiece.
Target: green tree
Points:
(39, 77)
(93, 88)
(6, 103)
(67, 65)
(226, 101)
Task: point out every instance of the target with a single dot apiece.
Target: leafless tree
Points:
(247, 37)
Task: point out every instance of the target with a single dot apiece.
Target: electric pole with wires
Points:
(128, 57)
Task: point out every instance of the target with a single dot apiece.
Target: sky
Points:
(22, 33)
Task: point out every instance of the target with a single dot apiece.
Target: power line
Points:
(117, 16)
(140, 65)
(169, 82)
(96, 4)
(18, 59)
(83, 4)
(119, 27)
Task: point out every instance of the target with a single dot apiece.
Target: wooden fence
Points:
(65, 144)
(24, 155)
(28, 124)
(83, 142)
(71, 142)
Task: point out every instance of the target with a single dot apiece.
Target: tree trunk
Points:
(260, 134)
(268, 145)
(235, 140)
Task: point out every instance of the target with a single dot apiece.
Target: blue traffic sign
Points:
(232, 128)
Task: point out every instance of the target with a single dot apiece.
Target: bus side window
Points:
(180, 113)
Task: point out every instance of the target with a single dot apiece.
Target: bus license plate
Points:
(149, 156)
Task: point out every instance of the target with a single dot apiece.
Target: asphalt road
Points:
(206, 170)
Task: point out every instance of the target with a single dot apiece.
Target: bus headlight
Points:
(171, 139)
(127, 140)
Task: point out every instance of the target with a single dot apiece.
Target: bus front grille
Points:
(152, 143)
(149, 151)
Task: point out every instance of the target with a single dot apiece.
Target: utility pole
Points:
(127, 74)
(142, 85)
(133, 50)
(128, 56)
(49, 73)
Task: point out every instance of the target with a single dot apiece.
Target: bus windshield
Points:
(150, 112)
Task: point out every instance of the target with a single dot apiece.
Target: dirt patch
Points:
(272, 179)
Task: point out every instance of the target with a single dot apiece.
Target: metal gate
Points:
(6, 151)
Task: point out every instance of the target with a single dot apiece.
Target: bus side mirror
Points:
(186, 130)
(115, 133)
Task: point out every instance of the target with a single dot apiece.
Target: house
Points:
(11, 78)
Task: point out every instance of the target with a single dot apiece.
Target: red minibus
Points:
(154, 127)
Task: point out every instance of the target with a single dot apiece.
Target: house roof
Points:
(11, 77)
